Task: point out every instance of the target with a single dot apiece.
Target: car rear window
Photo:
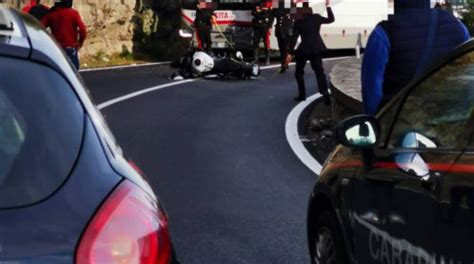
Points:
(41, 129)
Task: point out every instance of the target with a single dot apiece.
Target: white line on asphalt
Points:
(159, 87)
(125, 66)
(138, 93)
(291, 126)
(278, 65)
(152, 89)
(293, 136)
(273, 66)
(168, 62)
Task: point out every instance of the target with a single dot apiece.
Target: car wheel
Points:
(328, 244)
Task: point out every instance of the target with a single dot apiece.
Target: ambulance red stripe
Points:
(221, 22)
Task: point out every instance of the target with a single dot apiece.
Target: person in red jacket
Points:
(67, 28)
(27, 8)
(36, 9)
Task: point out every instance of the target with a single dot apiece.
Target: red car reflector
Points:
(130, 227)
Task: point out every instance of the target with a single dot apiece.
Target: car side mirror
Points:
(360, 132)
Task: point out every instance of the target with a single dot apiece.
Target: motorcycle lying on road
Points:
(200, 64)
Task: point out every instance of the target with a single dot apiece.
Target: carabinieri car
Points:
(67, 194)
(400, 187)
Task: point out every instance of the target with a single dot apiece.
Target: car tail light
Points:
(130, 227)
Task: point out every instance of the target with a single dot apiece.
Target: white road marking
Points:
(291, 127)
(293, 136)
(155, 88)
(168, 62)
(141, 92)
(273, 66)
(278, 65)
(125, 66)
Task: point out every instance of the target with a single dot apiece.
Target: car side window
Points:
(386, 120)
(12, 135)
(436, 113)
(41, 131)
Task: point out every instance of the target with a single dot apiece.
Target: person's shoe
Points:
(300, 98)
(178, 78)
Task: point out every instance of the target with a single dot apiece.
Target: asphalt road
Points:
(216, 153)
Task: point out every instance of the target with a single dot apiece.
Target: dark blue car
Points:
(67, 194)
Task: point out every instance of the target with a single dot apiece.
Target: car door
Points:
(455, 229)
(424, 132)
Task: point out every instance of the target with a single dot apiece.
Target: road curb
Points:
(294, 138)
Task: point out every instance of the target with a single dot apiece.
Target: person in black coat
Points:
(283, 30)
(203, 24)
(312, 47)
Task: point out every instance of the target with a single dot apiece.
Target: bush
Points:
(126, 54)
(157, 30)
(468, 17)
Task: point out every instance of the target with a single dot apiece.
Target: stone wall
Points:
(346, 89)
(113, 25)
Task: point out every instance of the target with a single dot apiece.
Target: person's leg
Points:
(280, 46)
(256, 42)
(318, 68)
(266, 42)
(283, 42)
(299, 74)
(208, 40)
(73, 56)
(201, 33)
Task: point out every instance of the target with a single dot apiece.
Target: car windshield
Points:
(41, 127)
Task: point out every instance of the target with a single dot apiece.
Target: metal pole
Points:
(358, 45)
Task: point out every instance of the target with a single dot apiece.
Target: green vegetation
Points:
(126, 54)
(156, 31)
(468, 16)
(123, 58)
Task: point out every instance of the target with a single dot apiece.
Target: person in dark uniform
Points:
(203, 24)
(261, 23)
(308, 26)
(283, 30)
(391, 60)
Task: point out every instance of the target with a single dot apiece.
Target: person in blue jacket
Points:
(403, 47)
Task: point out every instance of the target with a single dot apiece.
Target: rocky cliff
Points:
(117, 26)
